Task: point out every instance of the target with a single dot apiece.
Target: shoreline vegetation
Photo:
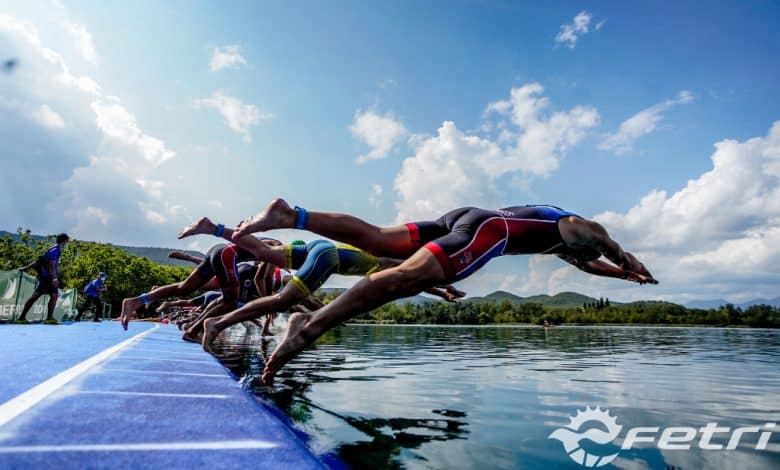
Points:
(130, 274)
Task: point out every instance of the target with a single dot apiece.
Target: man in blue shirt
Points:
(48, 280)
(92, 293)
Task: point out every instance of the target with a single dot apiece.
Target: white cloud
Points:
(29, 33)
(571, 32)
(642, 123)
(387, 83)
(380, 133)
(239, 116)
(83, 41)
(83, 195)
(153, 216)
(455, 168)
(48, 117)
(225, 57)
(100, 214)
(152, 187)
(444, 174)
(375, 195)
(542, 141)
(718, 237)
(215, 203)
(118, 123)
(43, 115)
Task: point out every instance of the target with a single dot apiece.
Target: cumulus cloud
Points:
(101, 196)
(225, 57)
(580, 26)
(48, 117)
(455, 168)
(43, 115)
(118, 123)
(719, 236)
(375, 195)
(541, 141)
(642, 123)
(239, 116)
(380, 133)
(83, 41)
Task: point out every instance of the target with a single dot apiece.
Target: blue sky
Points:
(125, 120)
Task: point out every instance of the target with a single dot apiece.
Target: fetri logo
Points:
(671, 438)
(570, 436)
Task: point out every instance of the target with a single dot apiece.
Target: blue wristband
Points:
(301, 217)
(144, 298)
(219, 231)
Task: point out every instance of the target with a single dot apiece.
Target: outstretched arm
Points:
(184, 257)
(600, 268)
(444, 294)
(586, 233)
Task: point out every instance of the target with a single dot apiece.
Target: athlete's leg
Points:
(52, 303)
(131, 304)
(420, 271)
(254, 309)
(380, 241)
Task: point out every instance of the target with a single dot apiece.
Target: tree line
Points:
(81, 261)
(602, 312)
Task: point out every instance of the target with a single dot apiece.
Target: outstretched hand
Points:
(454, 292)
(640, 278)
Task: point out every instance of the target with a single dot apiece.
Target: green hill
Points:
(158, 255)
(560, 300)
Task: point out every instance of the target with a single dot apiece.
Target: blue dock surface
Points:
(91, 395)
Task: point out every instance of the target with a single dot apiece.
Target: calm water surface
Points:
(489, 397)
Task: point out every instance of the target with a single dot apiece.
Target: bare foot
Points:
(278, 214)
(128, 311)
(191, 337)
(293, 343)
(210, 333)
(203, 226)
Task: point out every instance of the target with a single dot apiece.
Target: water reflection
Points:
(464, 397)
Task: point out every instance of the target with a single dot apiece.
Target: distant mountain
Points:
(158, 255)
(716, 303)
(653, 303)
(560, 300)
(415, 299)
(773, 302)
(706, 304)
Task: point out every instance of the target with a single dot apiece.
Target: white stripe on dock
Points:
(140, 358)
(162, 372)
(150, 446)
(26, 400)
(153, 394)
(175, 353)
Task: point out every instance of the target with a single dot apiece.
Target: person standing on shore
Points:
(92, 293)
(48, 280)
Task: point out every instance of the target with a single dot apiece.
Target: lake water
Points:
(489, 397)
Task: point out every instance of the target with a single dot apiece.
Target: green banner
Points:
(16, 287)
